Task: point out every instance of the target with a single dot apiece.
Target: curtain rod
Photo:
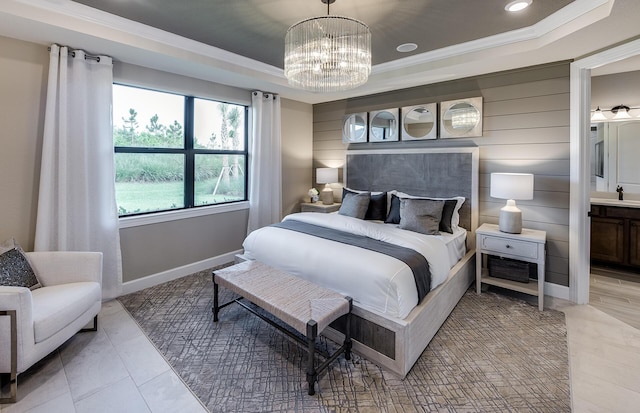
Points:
(86, 55)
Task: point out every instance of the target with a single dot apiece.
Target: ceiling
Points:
(256, 28)
(241, 42)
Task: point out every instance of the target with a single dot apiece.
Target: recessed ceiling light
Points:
(518, 5)
(407, 47)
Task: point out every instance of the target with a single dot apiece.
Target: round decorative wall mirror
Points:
(419, 122)
(354, 128)
(462, 118)
(383, 125)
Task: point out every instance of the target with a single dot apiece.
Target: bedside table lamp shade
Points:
(511, 186)
(327, 176)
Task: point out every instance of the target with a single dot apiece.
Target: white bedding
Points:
(375, 281)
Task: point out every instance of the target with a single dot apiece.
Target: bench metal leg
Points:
(94, 328)
(347, 334)
(13, 374)
(216, 304)
(216, 308)
(312, 374)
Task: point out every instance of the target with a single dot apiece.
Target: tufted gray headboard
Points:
(440, 172)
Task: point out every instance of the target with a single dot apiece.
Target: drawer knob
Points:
(508, 246)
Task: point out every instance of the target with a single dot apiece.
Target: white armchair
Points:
(35, 323)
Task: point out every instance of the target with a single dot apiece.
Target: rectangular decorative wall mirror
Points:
(419, 122)
(354, 128)
(461, 118)
(383, 125)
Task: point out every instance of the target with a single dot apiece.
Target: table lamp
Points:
(326, 176)
(511, 186)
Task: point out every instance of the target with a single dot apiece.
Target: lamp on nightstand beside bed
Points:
(327, 176)
(511, 186)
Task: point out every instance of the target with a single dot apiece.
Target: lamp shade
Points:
(598, 116)
(326, 175)
(511, 185)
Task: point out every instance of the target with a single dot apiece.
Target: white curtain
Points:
(76, 204)
(265, 183)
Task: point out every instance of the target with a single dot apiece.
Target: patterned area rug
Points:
(493, 354)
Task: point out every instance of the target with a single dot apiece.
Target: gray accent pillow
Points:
(15, 270)
(355, 204)
(377, 209)
(421, 215)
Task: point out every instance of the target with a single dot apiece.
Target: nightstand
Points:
(529, 246)
(319, 207)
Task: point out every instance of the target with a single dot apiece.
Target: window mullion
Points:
(189, 182)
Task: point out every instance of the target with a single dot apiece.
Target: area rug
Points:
(493, 354)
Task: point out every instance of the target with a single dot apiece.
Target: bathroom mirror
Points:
(383, 125)
(419, 122)
(614, 156)
(354, 128)
(461, 118)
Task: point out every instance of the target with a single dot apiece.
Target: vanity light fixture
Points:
(598, 116)
(621, 112)
(518, 5)
(327, 53)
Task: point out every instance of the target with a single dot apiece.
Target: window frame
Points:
(189, 152)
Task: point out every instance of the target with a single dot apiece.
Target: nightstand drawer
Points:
(509, 246)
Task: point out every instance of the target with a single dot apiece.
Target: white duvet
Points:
(375, 281)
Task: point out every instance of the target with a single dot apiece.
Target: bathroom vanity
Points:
(615, 232)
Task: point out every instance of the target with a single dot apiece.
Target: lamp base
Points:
(510, 221)
(327, 196)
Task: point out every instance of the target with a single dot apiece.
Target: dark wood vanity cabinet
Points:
(615, 235)
(634, 242)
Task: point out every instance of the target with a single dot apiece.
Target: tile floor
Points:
(118, 370)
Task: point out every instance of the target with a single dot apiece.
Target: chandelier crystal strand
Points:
(327, 54)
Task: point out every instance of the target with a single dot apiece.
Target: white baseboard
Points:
(175, 273)
(556, 290)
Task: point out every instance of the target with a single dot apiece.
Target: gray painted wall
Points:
(147, 249)
(617, 89)
(23, 86)
(297, 147)
(525, 129)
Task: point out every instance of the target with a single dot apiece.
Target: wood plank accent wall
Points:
(525, 129)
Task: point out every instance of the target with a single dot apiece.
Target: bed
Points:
(393, 324)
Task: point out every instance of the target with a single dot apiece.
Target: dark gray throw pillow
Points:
(15, 270)
(355, 204)
(377, 209)
(421, 215)
(394, 211)
(447, 215)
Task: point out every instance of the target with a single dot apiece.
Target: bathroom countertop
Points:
(631, 203)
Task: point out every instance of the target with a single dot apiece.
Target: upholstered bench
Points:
(306, 307)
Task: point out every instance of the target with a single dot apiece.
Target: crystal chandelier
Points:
(327, 53)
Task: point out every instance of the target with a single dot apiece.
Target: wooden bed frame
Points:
(392, 343)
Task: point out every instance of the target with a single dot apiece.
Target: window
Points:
(176, 152)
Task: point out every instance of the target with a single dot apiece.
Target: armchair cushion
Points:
(57, 306)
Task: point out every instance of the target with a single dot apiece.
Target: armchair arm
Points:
(18, 299)
(62, 267)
